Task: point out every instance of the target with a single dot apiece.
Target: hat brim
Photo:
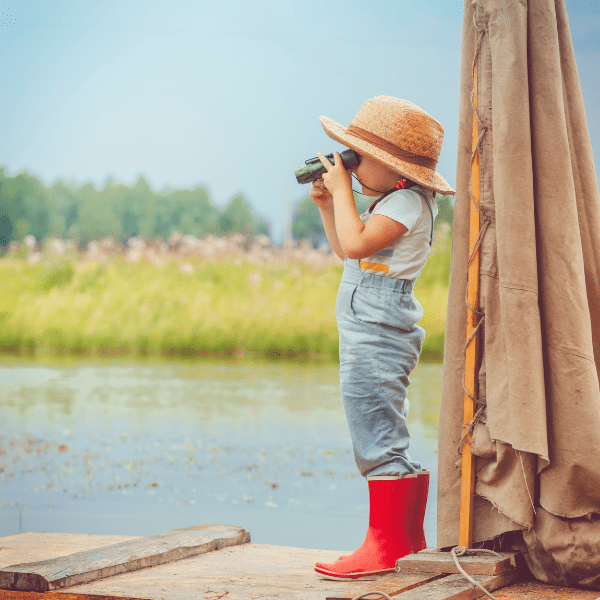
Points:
(428, 178)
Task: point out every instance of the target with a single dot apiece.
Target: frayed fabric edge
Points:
(586, 515)
(542, 457)
(527, 526)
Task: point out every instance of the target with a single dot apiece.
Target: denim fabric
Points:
(380, 345)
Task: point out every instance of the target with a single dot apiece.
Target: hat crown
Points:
(397, 134)
(402, 124)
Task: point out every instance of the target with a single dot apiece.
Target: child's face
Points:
(374, 175)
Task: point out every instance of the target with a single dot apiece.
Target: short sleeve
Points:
(403, 206)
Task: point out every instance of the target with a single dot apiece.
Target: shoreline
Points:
(57, 356)
(210, 310)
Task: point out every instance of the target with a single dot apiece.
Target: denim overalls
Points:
(380, 345)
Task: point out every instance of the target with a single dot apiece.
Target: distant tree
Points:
(25, 207)
(65, 209)
(84, 213)
(96, 218)
(261, 226)
(445, 210)
(307, 224)
(133, 208)
(7, 216)
(6, 226)
(129, 224)
(188, 211)
(238, 217)
(34, 197)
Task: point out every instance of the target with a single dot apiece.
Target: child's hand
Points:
(336, 179)
(319, 194)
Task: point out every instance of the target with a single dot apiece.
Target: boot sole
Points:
(351, 576)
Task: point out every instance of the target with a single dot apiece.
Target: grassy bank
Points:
(224, 307)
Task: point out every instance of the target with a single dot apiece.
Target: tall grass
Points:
(67, 306)
(431, 290)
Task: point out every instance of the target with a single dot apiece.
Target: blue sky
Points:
(228, 93)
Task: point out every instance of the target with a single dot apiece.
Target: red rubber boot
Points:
(391, 510)
(417, 533)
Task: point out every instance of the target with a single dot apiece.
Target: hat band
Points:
(405, 155)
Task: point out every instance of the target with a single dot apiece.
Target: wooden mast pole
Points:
(467, 487)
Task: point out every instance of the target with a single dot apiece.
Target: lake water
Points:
(134, 448)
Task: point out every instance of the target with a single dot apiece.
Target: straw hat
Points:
(397, 134)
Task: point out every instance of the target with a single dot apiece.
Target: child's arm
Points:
(356, 239)
(323, 199)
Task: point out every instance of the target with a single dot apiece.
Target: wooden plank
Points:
(392, 584)
(243, 572)
(124, 557)
(20, 595)
(512, 556)
(467, 487)
(444, 563)
(456, 587)
(536, 590)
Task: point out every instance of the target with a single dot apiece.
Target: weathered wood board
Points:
(124, 557)
(536, 590)
(444, 563)
(392, 584)
(456, 587)
(21, 595)
(243, 572)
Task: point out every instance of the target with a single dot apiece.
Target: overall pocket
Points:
(385, 307)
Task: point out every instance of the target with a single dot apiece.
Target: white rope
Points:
(462, 551)
(455, 552)
(369, 593)
(526, 484)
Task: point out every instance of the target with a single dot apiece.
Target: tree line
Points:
(84, 213)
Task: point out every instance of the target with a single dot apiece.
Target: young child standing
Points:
(384, 251)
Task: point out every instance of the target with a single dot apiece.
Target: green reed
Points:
(223, 308)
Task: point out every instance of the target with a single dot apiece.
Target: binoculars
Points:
(314, 168)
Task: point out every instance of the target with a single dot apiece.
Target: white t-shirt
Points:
(405, 258)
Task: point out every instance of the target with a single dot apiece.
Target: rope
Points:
(478, 315)
(462, 551)
(470, 428)
(526, 484)
(369, 593)
(455, 552)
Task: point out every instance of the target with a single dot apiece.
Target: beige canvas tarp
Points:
(538, 440)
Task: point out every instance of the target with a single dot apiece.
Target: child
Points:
(384, 251)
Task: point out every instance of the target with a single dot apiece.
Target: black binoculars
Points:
(314, 168)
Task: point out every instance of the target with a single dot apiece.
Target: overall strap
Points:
(430, 210)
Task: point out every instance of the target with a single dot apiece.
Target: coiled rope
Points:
(462, 551)
(455, 553)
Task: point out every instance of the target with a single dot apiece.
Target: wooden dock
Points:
(244, 571)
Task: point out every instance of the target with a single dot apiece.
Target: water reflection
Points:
(138, 448)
